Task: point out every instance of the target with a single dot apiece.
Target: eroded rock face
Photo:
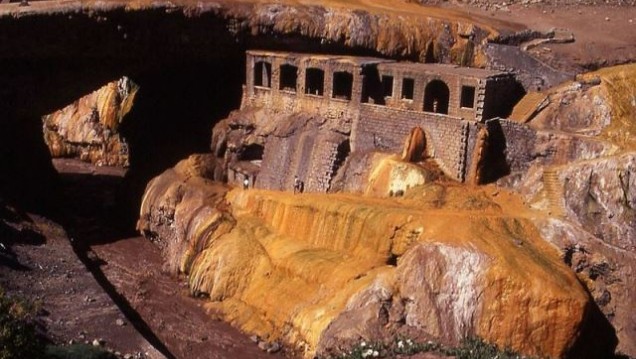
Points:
(321, 272)
(273, 148)
(601, 195)
(587, 184)
(173, 211)
(89, 128)
(595, 230)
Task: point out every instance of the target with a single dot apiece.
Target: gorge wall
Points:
(189, 56)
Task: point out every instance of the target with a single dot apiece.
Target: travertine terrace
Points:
(318, 173)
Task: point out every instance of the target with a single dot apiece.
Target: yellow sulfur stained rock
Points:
(393, 177)
(89, 127)
(322, 272)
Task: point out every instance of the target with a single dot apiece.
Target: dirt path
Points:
(109, 285)
(604, 35)
(42, 267)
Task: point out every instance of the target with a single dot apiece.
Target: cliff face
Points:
(89, 128)
(589, 188)
(321, 272)
(51, 59)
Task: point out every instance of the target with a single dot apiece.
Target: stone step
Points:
(553, 190)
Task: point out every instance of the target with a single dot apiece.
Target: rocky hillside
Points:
(550, 3)
(590, 188)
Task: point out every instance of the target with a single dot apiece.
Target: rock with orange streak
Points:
(89, 128)
(322, 272)
(414, 146)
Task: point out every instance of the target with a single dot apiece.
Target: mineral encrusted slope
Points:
(581, 169)
(321, 272)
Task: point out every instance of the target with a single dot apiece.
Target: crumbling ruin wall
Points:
(514, 141)
(448, 139)
(337, 112)
(436, 97)
(300, 146)
(515, 147)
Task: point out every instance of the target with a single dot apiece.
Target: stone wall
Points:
(373, 121)
(309, 153)
(521, 146)
(454, 82)
(384, 129)
(373, 128)
(514, 141)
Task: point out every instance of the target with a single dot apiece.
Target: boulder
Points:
(88, 128)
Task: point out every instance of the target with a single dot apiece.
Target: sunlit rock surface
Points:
(89, 127)
(321, 272)
(586, 180)
(392, 28)
(393, 177)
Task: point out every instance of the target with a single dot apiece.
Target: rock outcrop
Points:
(394, 29)
(321, 272)
(581, 169)
(272, 148)
(88, 129)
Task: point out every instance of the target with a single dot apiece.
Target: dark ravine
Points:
(183, 56)
(189, 62)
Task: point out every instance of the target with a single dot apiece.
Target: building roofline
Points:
(353, 60)
(388, 64)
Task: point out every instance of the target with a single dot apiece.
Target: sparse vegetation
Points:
(471, 348)
(18, 329)
(21, 338)
(475, 348)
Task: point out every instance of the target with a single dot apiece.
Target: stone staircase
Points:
(529, 105)
(553, 190)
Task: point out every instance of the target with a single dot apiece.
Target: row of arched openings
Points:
(314, 80)
(436, 92)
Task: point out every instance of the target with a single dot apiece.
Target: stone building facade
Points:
(374, 103)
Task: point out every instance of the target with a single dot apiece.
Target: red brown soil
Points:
(604, 35)
(72, 305)
(120, 278)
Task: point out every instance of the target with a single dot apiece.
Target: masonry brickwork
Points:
(372, 103)
(518, 142)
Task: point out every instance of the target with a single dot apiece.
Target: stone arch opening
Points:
(314, 81)
(288, 77)
(342, 85)
(263, 74)
(252, 153)
(436, 96)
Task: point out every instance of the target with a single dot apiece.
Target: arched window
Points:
(288, 77)
(263, 74)
(342, 85)
(436, 96)
(314, 81)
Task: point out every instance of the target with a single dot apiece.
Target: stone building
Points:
(375, 102)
